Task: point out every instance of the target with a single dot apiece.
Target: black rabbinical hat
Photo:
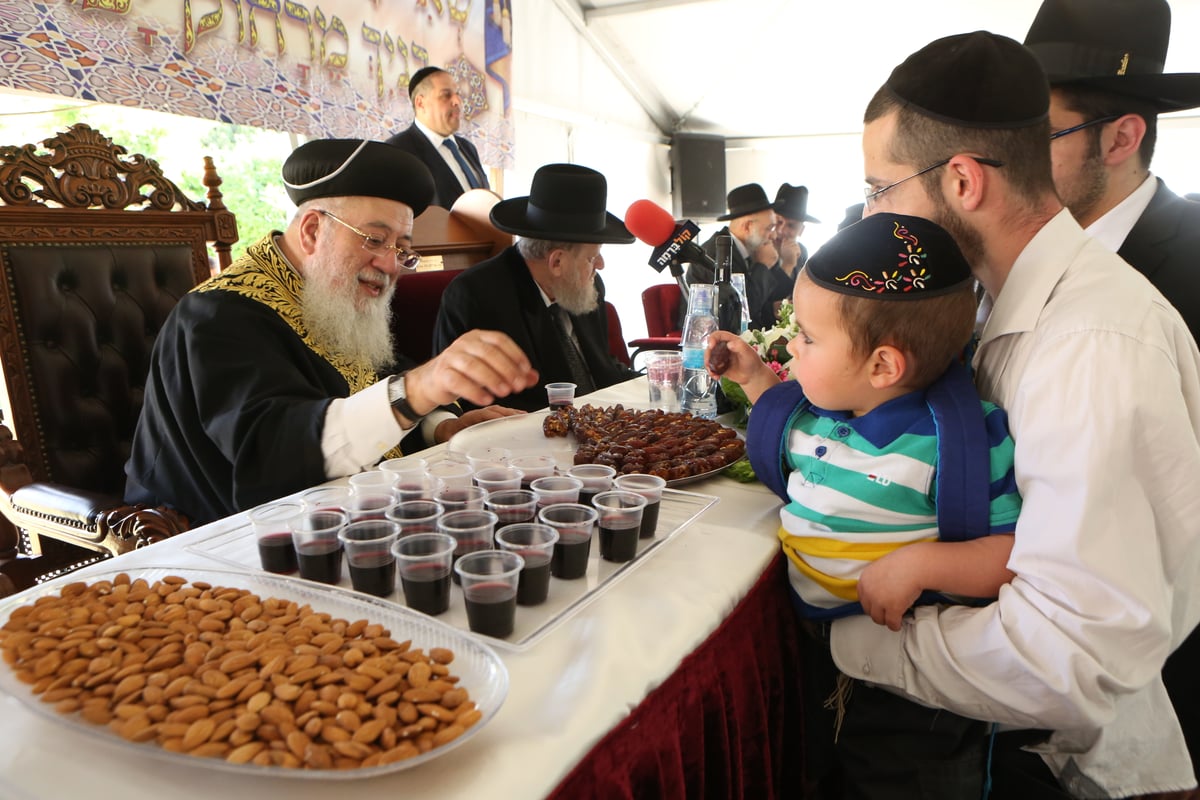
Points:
(745, 200)
(792, 202)
(357, 168)
(565, 204)
(1114, 46)
(890, 257)
(975, 80)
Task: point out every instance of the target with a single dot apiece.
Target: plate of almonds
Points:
(247, 672)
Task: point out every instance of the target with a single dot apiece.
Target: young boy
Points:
(897, 479)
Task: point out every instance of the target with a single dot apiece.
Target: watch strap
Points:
(400, 403)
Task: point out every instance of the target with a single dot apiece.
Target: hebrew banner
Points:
(333, 68)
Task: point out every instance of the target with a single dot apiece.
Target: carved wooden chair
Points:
(96, 247)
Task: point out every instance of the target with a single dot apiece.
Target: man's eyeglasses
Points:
(407, 259)
(872, 194)
(1082, 125)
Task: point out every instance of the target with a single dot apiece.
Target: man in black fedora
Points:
(1104, 59)
(544, 291)
(791, 214)
(751, 219)
(433, 138)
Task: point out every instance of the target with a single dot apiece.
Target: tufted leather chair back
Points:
(86, 280)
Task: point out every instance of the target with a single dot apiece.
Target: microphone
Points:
(672, 243)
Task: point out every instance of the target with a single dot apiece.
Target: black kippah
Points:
(419, 76)
(978, 80)
(357, 168)
(890, 257)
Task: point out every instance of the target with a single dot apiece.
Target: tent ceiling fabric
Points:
(769, 68)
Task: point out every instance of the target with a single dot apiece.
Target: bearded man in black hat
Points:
(273, 376)
(437, 115)
(1101, 381)
(1104, 59)
(751, 218)
(545, 291)
(791, 214)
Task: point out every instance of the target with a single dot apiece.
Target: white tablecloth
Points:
(566, 691)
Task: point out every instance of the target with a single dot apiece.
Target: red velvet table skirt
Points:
(725, 724)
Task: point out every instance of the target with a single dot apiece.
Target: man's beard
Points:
(1084, 192)
(576, 299)
(337, 323)
(969, 240)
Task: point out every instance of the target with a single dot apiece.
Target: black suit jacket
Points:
(446, 185)
(1164, 245)
(500, 294)
(758, 282)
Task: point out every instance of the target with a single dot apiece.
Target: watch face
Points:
(396, 388)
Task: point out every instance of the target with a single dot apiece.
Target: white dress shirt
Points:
(1101, 382)
(436, 140)
(1112, 228)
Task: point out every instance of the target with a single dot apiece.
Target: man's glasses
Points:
(1082, 125)
(872, 194)
(407, 259)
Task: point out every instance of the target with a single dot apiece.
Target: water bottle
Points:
(698, 394)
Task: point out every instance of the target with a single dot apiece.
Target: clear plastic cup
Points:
(416, 516)
(368, 547)
(596, 478)
(650, 487)
(574, 523)
(424, 562)
(416, 486)
(512, 505)
(664, 376)
(397, 466)
(533, 542)
(326, 498)
(472, 530)
(454, 498)
(556, 489)
(371, 482)
(620, 518)
(489, 580)
(369, 506)
(274, 536)
(495, 479)
(318, 548)
(482, 457)
(452, 473)
(559, 395)
(533, 467)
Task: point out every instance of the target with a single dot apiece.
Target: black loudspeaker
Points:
(697, 176)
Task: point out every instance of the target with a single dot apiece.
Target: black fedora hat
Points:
(744, 201)
(1111, 45)
(792, 202)
(565, 204)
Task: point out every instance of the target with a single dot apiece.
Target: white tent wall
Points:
(569, 106)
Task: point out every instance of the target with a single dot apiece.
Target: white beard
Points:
(334, 320)
(576, 299)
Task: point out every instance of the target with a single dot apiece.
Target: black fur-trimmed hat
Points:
(357, 168)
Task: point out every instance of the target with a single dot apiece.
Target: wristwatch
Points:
(399, 399)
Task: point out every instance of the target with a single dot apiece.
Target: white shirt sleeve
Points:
(360, 428)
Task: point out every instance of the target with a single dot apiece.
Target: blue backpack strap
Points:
(766, 434)
(964, 457)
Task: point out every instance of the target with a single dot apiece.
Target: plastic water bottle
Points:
(738, 279)
(698, 394)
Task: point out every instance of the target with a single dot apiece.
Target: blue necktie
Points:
(462, 162)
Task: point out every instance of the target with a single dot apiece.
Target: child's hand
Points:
(729, 356)
(888, 587)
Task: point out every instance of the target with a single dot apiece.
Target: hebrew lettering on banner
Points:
(337, 68)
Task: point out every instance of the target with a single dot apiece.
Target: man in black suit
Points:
(452, 159)
(544, 291)
(751, 223)
(1105, 60)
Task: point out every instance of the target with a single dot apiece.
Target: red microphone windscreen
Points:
(649, 222)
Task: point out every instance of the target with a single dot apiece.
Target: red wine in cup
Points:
(426, 588)
(570, 557)
(491, 609)
(375, 573)
(617, 544)
(278, 553)
(324, 566)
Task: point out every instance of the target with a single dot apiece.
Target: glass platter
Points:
(678, 509)
(523, 436)
(481, 671)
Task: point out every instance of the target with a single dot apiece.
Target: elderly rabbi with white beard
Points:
(273, 376)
